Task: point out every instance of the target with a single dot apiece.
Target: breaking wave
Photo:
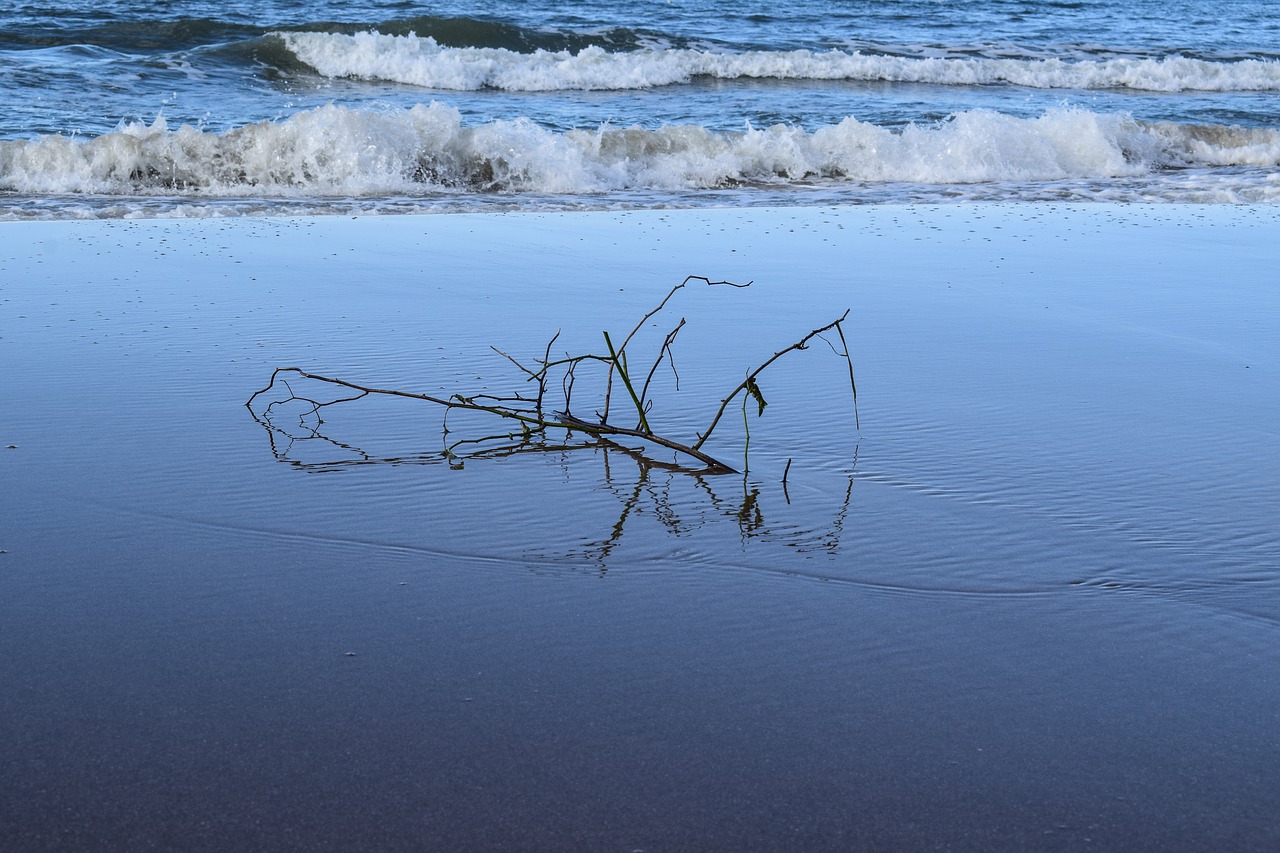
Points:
(336, 150)
(422, 61)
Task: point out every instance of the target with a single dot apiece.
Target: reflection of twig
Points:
(750, 516)
(282, 443)
(654, 495)
(283, 454)
(837, 523)
(649, 489)
(629, 505)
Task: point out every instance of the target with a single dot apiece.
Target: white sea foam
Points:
(339, 151)
(423, 62)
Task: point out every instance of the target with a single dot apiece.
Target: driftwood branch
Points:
(530, 411)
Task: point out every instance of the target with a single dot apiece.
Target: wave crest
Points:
(422, 61)
(336, 150)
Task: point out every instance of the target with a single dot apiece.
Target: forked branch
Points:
(530, 412)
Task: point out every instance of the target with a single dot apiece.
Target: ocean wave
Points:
(159, 35)
(423, 61)
(146, 35)
(339, 151)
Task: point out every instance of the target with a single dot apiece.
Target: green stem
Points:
(626, 380)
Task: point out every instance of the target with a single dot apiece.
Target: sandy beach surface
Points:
(1033, 603)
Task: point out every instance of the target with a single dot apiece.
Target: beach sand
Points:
(1032, 603)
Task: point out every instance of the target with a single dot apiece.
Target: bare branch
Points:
(751, 377)
(715, 465)
(542, 374)
(620, 364)
(529, 411)
(852, 385)
(640, 325)
(665, 350)
(531, 373)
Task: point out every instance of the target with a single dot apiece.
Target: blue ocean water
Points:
(206, 107)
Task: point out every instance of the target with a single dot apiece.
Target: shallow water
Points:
(1032, 603)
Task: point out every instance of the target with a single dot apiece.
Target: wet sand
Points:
(1033, 603)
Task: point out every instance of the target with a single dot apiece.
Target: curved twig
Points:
(750, 381)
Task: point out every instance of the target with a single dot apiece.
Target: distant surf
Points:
(422, 61)
(201, 107)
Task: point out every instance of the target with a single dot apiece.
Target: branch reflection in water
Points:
(680, 498)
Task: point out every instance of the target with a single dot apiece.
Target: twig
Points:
(852, 385)
(664, 350)
(663, 304)
(750, 381)
(620, 363)
(542, 378)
